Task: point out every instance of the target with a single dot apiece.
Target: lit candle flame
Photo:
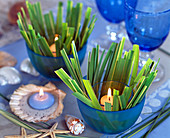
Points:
(56, 37)
(109, 93)
(41, 93)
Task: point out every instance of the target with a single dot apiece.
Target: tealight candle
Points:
(41, 100)
(53, 47)
(107, 98)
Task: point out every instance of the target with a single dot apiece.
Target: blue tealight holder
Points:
(110, 122)
(47, 65)
(41, 103)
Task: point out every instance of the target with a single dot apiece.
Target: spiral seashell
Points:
(74, 124)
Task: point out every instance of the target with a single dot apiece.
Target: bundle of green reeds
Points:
(40, 34)
(114, 67)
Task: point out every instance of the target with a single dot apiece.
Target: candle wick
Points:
(41, 96)
(109, 98)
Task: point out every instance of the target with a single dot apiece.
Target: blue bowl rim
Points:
(82, 49)
(114, 111)
(147, 13)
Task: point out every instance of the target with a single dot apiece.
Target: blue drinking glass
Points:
(113, 12)
(147, 24)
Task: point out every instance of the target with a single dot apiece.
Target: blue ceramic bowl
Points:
(110, 122)
(47, 65)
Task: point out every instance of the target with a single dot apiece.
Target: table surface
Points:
(18, 50)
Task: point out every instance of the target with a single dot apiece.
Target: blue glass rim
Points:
(147, 13)
(84, 47)
(114, 111)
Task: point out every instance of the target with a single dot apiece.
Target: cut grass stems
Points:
(40, 34)
(154, 124)
(24, 124)
(113, 67)
(150, 117)
(164, 115)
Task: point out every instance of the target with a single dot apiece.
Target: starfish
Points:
(24, 135)
(52, 131)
